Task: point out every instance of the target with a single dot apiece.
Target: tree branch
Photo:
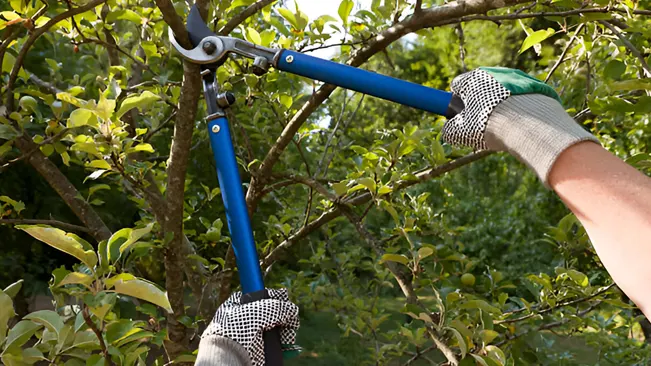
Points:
(426, 18)
(98, 334)
(55, 223)
(404, 282)
(561, 59)
(245, 14)
(335, 212)
(629, 45)
(556, 307)
(514, 16)
(32, 38)
(175, 22)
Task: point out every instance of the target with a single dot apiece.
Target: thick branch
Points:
(55, 223)
(175, 196)
(514, 16)
(60, 183)
(425, 18)
(175, 22)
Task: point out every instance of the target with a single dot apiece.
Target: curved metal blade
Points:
(197, 28)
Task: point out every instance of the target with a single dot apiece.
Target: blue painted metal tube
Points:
(377, 85)
(237, 213)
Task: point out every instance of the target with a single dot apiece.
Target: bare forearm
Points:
(613, 201)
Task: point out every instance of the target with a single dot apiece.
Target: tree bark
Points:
(60, 183)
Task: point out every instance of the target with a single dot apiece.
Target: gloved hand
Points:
(508, 110)
(234, 337)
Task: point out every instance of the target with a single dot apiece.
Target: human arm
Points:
(510, 111)
(613, 202)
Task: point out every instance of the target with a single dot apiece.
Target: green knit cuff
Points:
(519, 82)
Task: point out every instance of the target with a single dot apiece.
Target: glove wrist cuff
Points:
(534, 128)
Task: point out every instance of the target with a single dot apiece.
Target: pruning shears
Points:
(210, 51)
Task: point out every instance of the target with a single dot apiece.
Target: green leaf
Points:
(48, 318)
(535, 38)
(120, 329)
(633, 84)
(6, 313)
(345, 7)
(76, 278)
(66, 242)
(47, 149)
(124, 14)
(97, 187)
(368, 183)
(614, 69)
(99, 164)
(286, 100)
(17, 205)
(480, 304)
(79, 117)
(578, 277)
(138, 101)
(340, 188)
(488, 335)
(384, 190)
(480, 360)
(32, 355)
(144, 290)
(289, 16)
(252, 36)
(496, 353)
(12, 290)
(424, 252)
(463, 347)
(394, 258)
(8, 133)
(122, 239)
(20, 333)
(141, 147)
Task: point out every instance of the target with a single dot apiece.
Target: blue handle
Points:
(377, 85)
(237, 213)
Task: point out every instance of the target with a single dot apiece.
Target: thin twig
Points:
(561, 59)
(325, 46)
(462, 50)
(549, 326)
(55, 223)
(326, 166)
(97, 332)
(548, 310)
(629, 45)
(238, 19)
(335, 212)
(165, 123)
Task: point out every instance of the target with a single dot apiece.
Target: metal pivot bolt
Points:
(209, 47)
(260, 66)
(289, 59)
(215, 129)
